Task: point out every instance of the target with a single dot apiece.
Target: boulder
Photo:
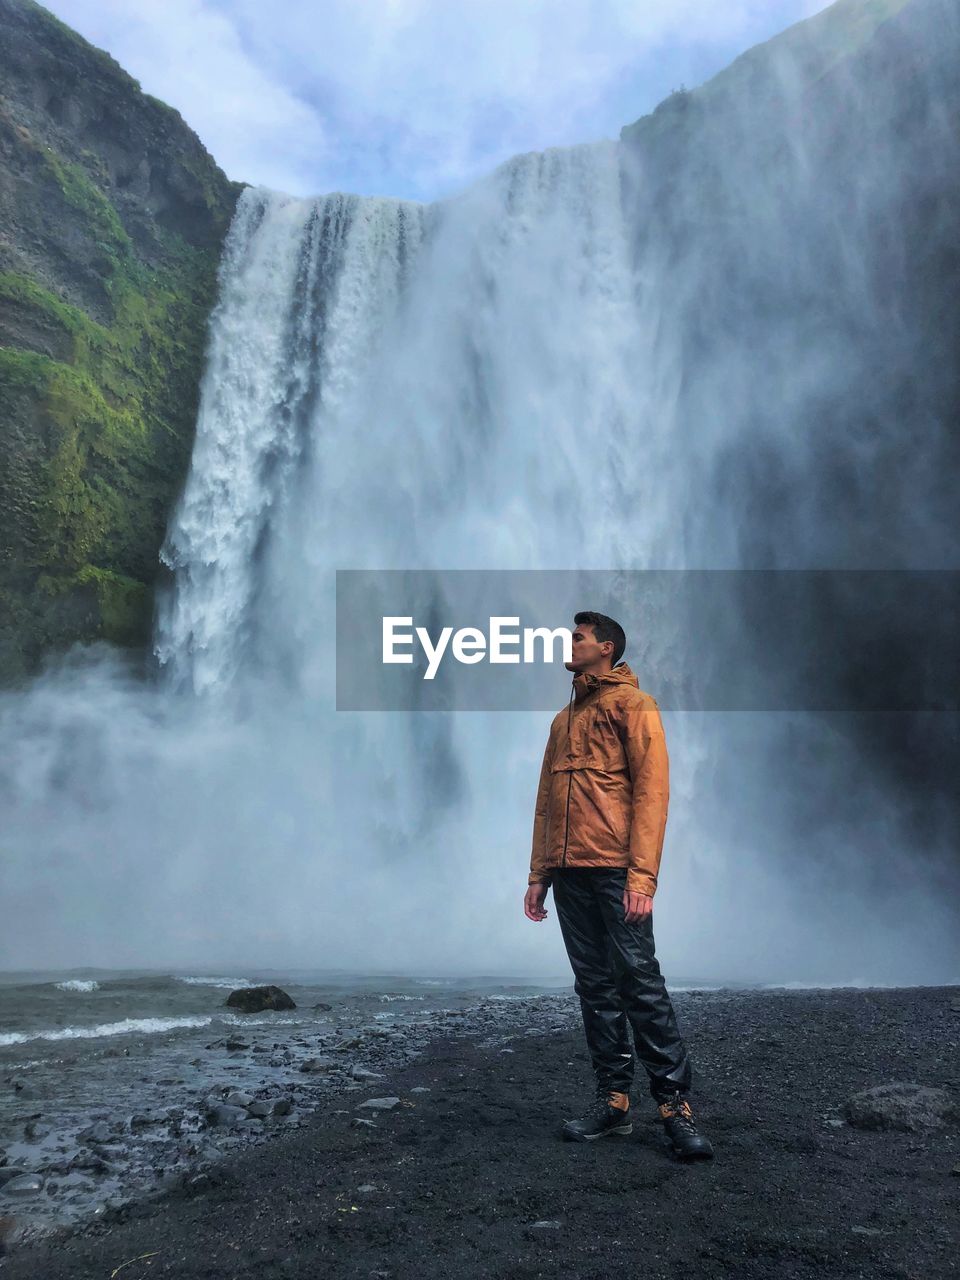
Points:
(257, 999)
(897, 1105)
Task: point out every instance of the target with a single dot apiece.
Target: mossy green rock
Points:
(113, 217)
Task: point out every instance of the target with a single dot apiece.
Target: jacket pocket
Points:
(599, 815)
(619, 799)
(602, 745)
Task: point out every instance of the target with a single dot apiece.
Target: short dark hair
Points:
(604, 628)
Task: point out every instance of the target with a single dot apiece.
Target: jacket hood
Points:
(585, 683)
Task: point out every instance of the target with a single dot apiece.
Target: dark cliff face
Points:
(111, 219)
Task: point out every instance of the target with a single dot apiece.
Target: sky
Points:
(414, 99)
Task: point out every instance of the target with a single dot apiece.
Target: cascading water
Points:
(413, 387)
(537, 374)
(304, 286)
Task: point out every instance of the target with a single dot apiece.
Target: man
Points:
(598, 833)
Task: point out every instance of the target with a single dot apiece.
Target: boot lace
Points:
(677, 1109)
(602, 1103)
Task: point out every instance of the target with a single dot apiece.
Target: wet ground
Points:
(108, 1084)
(467, 1175)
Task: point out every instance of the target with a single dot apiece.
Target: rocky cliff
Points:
(111, 219)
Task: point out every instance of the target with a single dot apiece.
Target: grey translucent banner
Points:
(704, 639)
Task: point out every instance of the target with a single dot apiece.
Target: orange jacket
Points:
(604, 785)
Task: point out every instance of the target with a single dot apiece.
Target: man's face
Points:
(586, 652)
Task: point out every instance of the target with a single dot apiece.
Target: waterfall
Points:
(716, 344)
(390, 385)
(304, 288)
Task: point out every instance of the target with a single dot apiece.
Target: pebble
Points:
(24, 1184)
(238, 1099)
(100, 1132)
(380, 1104)
(144, 1119)
(230, 1117)
(90, 1161)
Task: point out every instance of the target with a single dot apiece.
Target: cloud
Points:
(414, 97)
(197, 58)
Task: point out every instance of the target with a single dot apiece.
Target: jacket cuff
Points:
(538, 877)
(641, 882)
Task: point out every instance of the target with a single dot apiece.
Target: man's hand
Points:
(636, 906)
(533, 901)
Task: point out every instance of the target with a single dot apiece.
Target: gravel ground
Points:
(467, 1176)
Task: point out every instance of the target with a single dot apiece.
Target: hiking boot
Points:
(677, 1118)
(610, 1113)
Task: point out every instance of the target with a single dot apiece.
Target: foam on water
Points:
(127, 1026)
(231, 984)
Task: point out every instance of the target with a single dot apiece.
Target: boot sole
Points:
(592, 1137)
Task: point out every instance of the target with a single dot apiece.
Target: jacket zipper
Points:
(566, 832)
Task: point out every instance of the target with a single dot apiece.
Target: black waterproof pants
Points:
(618, 981)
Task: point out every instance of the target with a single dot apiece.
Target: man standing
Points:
(598, 833)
